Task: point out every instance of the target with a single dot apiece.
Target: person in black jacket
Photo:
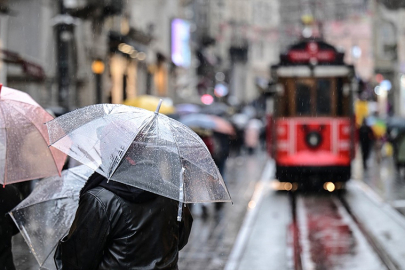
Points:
(366, 137)
(220, 155)
(10, 197)
(122, 227)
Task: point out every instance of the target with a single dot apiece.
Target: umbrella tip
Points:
(158, 106)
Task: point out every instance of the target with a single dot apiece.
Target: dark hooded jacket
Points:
(9, 198)
(122, 227)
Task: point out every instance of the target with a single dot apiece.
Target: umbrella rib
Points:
(129, 145)
(54, 247)
(25, 235)
(199, 166)
(44, 201)
(89, 121)
(178, 149)
(5, 158)
(29, 120)
(80, 126)
(182, 166)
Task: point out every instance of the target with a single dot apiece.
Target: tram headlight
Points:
(313, 139)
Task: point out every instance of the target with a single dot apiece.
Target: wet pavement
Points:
(383, 178)
(213, 237)
(384, 225)
(265, 240)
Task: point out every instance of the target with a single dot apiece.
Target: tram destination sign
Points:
(311, 52)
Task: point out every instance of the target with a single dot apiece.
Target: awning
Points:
(31, 69)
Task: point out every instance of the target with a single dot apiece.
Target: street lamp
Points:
(64, 33)
(98, 68)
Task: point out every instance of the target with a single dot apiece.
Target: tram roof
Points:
(311, 52)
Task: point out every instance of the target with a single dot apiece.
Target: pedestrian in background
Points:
(118, 226)
(220, 153)
(10, 197)
(218, 144)
(366, 137)
(252, 135)
(207, 137)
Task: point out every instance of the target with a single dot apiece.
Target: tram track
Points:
(382, 254)
(294, 234)
(326, 234)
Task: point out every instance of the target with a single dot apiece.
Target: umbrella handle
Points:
(180, 211)
(181, 195)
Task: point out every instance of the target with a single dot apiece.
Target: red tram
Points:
(310, 131)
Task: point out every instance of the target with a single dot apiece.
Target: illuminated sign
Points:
(180, 43)
(312, 53)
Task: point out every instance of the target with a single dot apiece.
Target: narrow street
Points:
(259, 231)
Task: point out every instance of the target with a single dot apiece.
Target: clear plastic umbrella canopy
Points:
(24, 151)
(140, 148)
(210, 122)
(46, 215)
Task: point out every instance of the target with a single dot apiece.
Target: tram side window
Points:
(323, 97)
(303, 99)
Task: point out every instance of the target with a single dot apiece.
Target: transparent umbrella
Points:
(216, 108)
(187, 108)
(144, 149)
(150, 103)
(210, 122)
(46, 215)
(24, 151)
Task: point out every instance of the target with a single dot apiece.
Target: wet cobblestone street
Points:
(212, 238)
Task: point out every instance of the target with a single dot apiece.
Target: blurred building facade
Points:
(345, 24)
(59, 40)
(389, 54)
(238, 38)
(72, 53)
(24, 43)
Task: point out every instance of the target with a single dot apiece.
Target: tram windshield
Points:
(314, 97)
(323, 97)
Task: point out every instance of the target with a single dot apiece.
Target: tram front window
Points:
(319, 97)
(303, 99)
(323, 97)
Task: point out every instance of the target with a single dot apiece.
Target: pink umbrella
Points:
(24, 140)
(222, 125)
